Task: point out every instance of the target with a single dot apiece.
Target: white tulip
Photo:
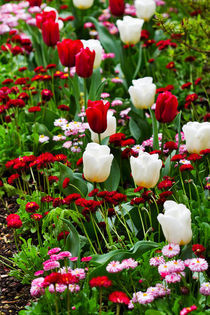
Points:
(94, 44)
(176, 223)
(130, 29)
(142, 92)
(145, 9)
(197, 136)
(110, 130)
(83, 4)
(60, 23)
(97, 162)
(145, 169)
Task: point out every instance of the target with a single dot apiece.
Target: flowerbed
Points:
(105, 141)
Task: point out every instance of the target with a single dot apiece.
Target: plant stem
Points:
(142, 222)
(118, 309)
(100, 300)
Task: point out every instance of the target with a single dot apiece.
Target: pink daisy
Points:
(198, 265)
(54, 251)
(86, 259)
(59, 288)
(144, 298)
(114, 266)
(74, 287)
(38, 273)
(129, 263)
(51, 265)
(162, 291)
(63, 255)
(164, 269)
(73, 258)
(176, 265)
(171, 250)
(79, 272)
(205, 288)
(156, 261)
(154, 291)
(173, 278)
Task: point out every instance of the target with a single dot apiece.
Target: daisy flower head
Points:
(162, 290)
(143, 297)
(156, 261)
(43, 138)
(176, 265)
(51, 265)
(79, 272)
(119, 297)
(171, 250)
(205, 288)
(60, 122)
(198, 265)
(154, 291)
(173, 278)
(129, 263)
(54, 250)
(114, 266)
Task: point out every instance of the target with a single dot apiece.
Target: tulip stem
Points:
(96, 234)
(163, 138)
(99, 138)
(85, 92)
(142, 222)
(155, 130)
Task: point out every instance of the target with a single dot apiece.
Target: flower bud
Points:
(166, 107)
(97, 162)
(197, 136)
(117, 7)
(110, 130)
(130, 30)
(176, 223)
(97, 115)
(83, 4)
(145, 9)
(50, 33)
(84, 62)
(94, 45)
(145, 169)
(142, 92)
(67, 50)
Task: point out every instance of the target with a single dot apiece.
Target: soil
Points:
(13, 295)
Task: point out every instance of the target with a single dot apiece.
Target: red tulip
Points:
(97, 115)
(117, 7)
(166, 107)
(34, 3)
(43, 17)
(50, 32)
(67, 50)
(84, 62)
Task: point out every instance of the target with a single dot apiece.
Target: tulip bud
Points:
(50, 10)
(94, 45)
(67, 50)
(50, 33)
(84, 62)
(117, 7)
(83, 4)
(34, 3)
(176, 223)
(110, 130)
(197, 136)
(145, 169)
(97, 162)
(166, 107)
(130, 30)
(145, 9)
(97, 115)
(142, 92)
